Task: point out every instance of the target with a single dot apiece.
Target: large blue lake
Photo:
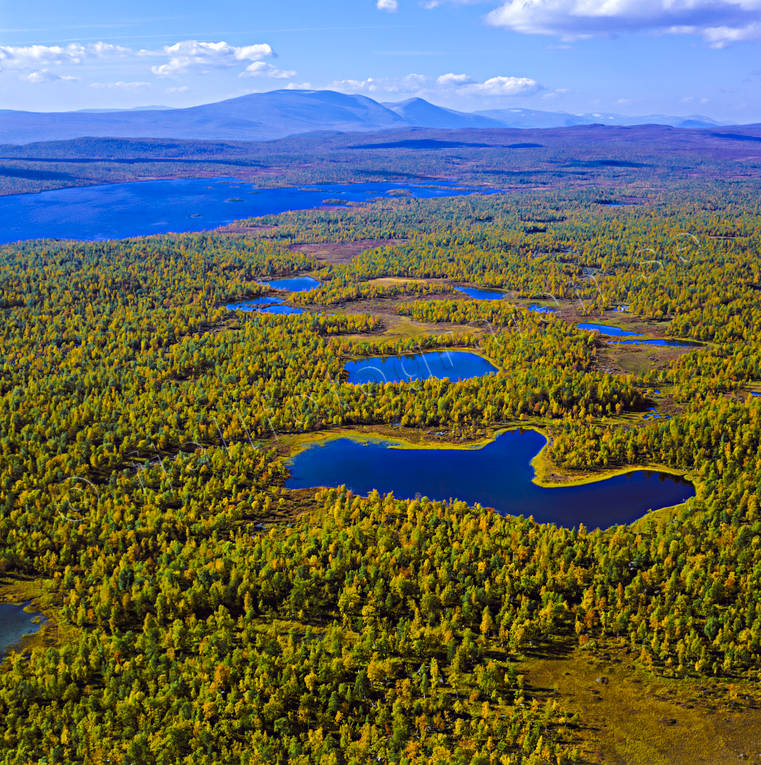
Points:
(499, 475)
(156, 207)
(456, 365)
(15, 624)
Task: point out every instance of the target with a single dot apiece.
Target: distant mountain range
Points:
(532, 118)
(280, 113)
(417, 112)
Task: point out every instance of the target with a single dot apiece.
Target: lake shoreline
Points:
(541, 463)
(500, 476)
(146, 207)
(30, 596)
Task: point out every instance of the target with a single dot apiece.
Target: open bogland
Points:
(205, 614)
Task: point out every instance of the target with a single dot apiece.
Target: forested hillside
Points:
(602, 159)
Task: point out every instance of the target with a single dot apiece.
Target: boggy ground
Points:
(342, 252)
(629, 717)
(39, 594)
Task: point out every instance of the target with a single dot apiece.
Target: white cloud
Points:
(431, 4)
(494, 86)
(554, 93)
(720, 37)
(44, 75)
(264, 69)
(719, 22)
(40, 57)
(447, 80)
(40, 61)
(388, 5)
(205, 56)
(413, 82)
(443, 85)
(121, 85)
(369, 85)
(410, 83)
(505, 86)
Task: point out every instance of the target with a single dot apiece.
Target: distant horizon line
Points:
(479, 112)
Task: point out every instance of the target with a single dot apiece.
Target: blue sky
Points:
(627, 56)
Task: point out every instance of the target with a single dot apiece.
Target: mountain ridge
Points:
(281, 113)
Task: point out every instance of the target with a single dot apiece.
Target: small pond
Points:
(497, 475)
(536, 308)
(266, 304)
(282, 309)
(16, 624)
(662, 343)
(607, 329)
(653, 414)
(293, 284)
(480, 294)
(456, 365)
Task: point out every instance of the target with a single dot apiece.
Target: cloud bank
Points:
(38, 57)
(37, 63)
(719, 22)
(175, 65)
(203, 56)
(419, 84)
